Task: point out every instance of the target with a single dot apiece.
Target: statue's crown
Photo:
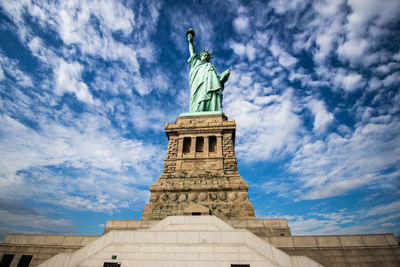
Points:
(207, 51)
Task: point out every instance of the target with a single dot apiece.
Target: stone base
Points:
(41, 247)
(181, 241)
(262, 228)
(343, 250)
(333, 250)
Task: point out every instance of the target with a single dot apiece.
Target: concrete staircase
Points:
(181, 241)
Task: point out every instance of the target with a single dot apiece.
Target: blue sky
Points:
(87, 86)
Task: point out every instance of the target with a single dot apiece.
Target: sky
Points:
(86, 88)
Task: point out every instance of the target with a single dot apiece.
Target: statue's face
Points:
(205, 57)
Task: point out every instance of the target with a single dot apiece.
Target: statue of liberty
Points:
(205, 84)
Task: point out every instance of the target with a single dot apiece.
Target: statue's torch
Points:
(190, 31)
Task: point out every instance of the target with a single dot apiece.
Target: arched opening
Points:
(212, 144)
(187, 142)
(199, 144)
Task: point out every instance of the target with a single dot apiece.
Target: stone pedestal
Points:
(200, 169)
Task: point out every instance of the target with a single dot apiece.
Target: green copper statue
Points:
(205, 85)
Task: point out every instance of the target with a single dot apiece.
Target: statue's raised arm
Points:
(206, 85)
(190, 36)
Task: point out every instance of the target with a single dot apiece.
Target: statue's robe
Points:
(205, 86)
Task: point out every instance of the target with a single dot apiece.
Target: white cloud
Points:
(374, 84)
(349, 81)
(391, 208)
(322, 118)
(344, 221)
(74, 19)
(35, 45)
(265, 127)
(238, 48)
(287, 60)
(353, 49)
(74, 22)
(241, 23)
(284, 58)
(104, 160)
(326, 28)
(301, 225)
(354, 32)
(324, 42)
(12, 68)
(392, 79)
(68, 79)
(361, 37)
(383, 12)
(396, 56)
(341, 164)
(251, 51)
(388, 68)
(245, 80)
(283, 6)
(144, 119)
(41, 223)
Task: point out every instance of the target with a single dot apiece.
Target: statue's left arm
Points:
(224, 76)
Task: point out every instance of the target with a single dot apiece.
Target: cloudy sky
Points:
(86, 87)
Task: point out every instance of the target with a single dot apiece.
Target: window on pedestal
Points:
(187, 142)
(25, 260)
(6, 260)
(199, 144)
(212, 144)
